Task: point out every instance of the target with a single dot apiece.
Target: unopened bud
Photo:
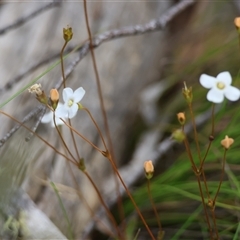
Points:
(54, 97)
(227, 142)
(181, 118)
(211, 204)
(67, 33)
(237, 22)
(149, 169)
(187, 93)
(81, 164)
(178, 135)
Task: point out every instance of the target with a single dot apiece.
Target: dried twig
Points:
(19, 22)
(33, 113)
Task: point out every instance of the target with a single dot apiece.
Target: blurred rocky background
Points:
(141, 77)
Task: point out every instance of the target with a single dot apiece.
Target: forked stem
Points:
(198, 172)
(61, 137)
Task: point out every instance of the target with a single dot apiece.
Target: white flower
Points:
(219, 87)
(48, 118)
(71, 100)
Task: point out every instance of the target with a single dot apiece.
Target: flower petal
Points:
(225, 77)
(72, 111)
(232, 93)
(215, 96)
(78, 94)
(67, 93)
(47, 117)
(61, 111)
(207, 81)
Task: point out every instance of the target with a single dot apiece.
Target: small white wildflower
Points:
(71, 100)
(48, 118)
(219, 87)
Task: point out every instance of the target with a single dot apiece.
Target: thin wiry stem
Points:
(204, 205)
(197, 173)
(80, 135)
(218, 190)
(103, 109)
(222, 175)
(153, 205)
(187, 147)
(62, 63)
(61, 137)
(211, 138)
(64, 85)
(132, 199)
(195, 133)
(74, 141)
(96, 125)
(213, 110)
(215, 223)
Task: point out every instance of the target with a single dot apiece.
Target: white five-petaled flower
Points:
(71, 100)
(48, 118)
(219, 87)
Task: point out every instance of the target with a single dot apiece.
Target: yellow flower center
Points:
(70, 102)
(220, 85)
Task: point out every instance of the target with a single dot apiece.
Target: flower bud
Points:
(149, 169)
(81, 164)
(227, 142)
(237, 22)
(211, 204)
(54, 97)
(187, 93)
(181, 118)
(178, 135)
(67, 33)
